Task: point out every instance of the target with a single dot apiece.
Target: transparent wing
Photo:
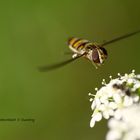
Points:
(57, 65)
(120, 38)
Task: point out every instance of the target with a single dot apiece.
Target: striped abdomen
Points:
(77, 45)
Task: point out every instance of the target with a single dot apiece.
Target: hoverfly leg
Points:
(74, 55)
(94, 64)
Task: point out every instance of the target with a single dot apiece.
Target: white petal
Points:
(137, 85)
(136, 98)
(111, 112)
(113, 105)
(110, 94)
(92, 122)
(106, 103)
(102, 107)
(106, 114)
(104, 99)
(114, 135)
(97, 101)
(98, 116)
(130, 81)
(117, 98)
(127, 101)
(118, 114)
(130, 136)
(138, 76)
(93, 105)
(112, 123)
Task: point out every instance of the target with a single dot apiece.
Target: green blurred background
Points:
(34, 33)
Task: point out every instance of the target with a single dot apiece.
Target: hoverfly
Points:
(96, 53)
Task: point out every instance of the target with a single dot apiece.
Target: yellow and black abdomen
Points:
(77, 45)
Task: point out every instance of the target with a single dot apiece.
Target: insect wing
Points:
(57, 65)
(120, 38)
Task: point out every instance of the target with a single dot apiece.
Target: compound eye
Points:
(104, 51)
(95, 56)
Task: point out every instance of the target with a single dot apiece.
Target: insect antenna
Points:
(57, 65)
(120, 38)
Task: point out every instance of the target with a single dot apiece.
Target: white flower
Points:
(96, 116)
(106, 110)
(127, 127)
(117, 98)
(127, 101)
(110, 99)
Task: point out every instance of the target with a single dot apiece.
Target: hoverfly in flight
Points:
(96, 53)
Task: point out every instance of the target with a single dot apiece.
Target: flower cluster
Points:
(126, 128)
(112, 98)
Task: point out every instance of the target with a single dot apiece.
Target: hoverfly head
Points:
(99, 55)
